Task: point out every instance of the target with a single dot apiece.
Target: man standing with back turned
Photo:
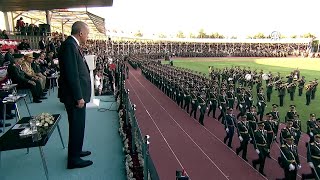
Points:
(75, 91)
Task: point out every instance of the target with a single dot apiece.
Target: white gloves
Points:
(240, 106)
(241, 139)
(311, 133)
(299, 166)
(291, 167)
(311, 165)
(199, 107)
(257, 150)
(227, 130)
(250, 139)
(192, 102)
(210, 103)
(220, 107)
(295, 134)
(184, 95)
(259, 103)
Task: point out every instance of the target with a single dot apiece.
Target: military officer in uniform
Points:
(269, 91)
(261, 103)
(297, 126)
(213, 102)
(252, 118)
(287, 131)
(276, 118)
(187, 99)
(301, 83)
(261, 147)
(202, 107)
(244, 137)
(229, 124)
(242, 103)
(281, 94)
(308, 95)
(222, 106)
(194, 104)
(311, 124)
(313, 158)
(269, 127)
(290, 114)
(289, 160)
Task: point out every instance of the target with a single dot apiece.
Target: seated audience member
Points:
(8, 57)
(23, 80)
(4, 35)
(26, 67)
(24, 45)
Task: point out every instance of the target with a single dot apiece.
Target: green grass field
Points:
(310, 68)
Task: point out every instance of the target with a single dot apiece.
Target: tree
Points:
(162, 35)
(138, 34)
(202, 34)
(180, 35)
(216, 36)
(191, 35)
(293, 36)
(259, 36)
(308, 35)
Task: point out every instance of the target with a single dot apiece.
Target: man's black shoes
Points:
(85, 153)
(79, 164)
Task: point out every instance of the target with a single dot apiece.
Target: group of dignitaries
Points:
(192, 91)
(30, 71)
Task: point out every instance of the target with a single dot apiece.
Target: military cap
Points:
(230, 108)
(312, 115)
(269, 114)
(253, 106)
(261, 123)
(244, 116)
(289, 138)
(292, 106)
(289, 121)
(317, 135)
(30, 55)
(275, 105)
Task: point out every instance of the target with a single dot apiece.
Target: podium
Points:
(91, 61)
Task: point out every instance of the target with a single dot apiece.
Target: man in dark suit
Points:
(8, 57)
(75, 91)
(42, 44)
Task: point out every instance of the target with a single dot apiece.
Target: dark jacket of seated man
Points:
(24, 81)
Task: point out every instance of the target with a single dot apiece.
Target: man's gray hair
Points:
(77, 27)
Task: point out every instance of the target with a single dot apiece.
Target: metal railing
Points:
(139, 143)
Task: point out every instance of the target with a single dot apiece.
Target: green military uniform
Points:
(261, 104)
(261, 146)
(243, 133)
(311, 124)
(276, 118)
(213, 102)
(202, 107)
(289, 159)
(194, 105)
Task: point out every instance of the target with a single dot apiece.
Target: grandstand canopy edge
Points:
(62, 20)
(28, 5)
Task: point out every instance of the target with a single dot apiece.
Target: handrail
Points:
(139, 151)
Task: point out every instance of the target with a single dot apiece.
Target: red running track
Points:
(179, 142)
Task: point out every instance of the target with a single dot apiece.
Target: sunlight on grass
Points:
(301, 63)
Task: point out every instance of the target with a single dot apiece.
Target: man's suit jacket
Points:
(8, 58)
(74, 80)
(42, 45)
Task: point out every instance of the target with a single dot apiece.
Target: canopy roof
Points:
(67, 17)
(27, 5)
